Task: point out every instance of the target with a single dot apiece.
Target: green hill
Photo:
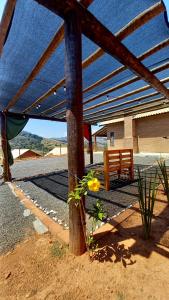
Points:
(32, 141)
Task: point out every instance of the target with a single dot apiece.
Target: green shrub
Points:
(147, 196)
(164, 177)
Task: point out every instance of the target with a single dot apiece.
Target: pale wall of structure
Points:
(118, 129)
(148, 134)
(151, 131)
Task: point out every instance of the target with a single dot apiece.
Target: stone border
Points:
(57, 230)
(53, 227)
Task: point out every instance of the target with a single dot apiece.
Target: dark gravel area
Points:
(14, 227)
(50, 192)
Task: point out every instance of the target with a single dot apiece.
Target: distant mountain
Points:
(100, 140)
(61, 139)
(28, 140)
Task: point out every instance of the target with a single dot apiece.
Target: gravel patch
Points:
(14, 226)
(27, 168)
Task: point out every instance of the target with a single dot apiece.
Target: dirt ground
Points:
(125, 266)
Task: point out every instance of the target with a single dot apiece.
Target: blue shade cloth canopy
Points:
(32, 29)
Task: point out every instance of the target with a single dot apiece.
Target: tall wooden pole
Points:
(90, 144)
(95, 143)
(74, 116)
(4, 144)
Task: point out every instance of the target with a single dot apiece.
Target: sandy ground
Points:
(126, 267)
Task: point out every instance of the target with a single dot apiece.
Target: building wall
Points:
(58, 151)
(118, 129)
(150, 133)
(148, 136)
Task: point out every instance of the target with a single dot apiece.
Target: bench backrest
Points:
(117, 160)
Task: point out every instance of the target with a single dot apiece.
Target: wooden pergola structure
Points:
(122, 73)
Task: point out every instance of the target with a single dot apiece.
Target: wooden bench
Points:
(117, 162)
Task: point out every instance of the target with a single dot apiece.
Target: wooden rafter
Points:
(140, 20)
(36, 117)
(154, 71)
(143, 56)
(112, 100)
(121, 85)
(128, 94)
(6, 20)
(101, 111)
(128, 110)
(139, 90)
(55, 42)
(111, 113)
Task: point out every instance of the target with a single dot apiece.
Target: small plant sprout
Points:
(97, 214)
(164, 178)
(147, 196)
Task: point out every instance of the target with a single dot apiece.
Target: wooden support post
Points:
(95, 143)
(90, 145)
(74, 116)
(4, 144)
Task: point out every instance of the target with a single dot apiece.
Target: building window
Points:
(111, 138)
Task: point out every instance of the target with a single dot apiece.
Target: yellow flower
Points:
(94, 185)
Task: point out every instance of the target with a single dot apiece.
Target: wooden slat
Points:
(112, 163)
(57, 39)
(139, 90)
(125, 161)
(36, 117)
(140, 20)
(126, 83)
(125, 151)
(5, 22)
(115, 72)
(111, 169)
(112, 152)
(111, 156)
(123, 103)
(143, 56)
(123, 110)
(126, 155)
(146, 108)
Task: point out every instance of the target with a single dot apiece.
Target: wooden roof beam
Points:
(5, 22)
(140, 20)
(123, 84)
(133, 111)
(112, 100)
(110, 114)
(146, 54)
(154, 71)
(36, 117)
(144, 88)
(131, 93)
(55, 42)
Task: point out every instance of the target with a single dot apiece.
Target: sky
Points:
(51, 129)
